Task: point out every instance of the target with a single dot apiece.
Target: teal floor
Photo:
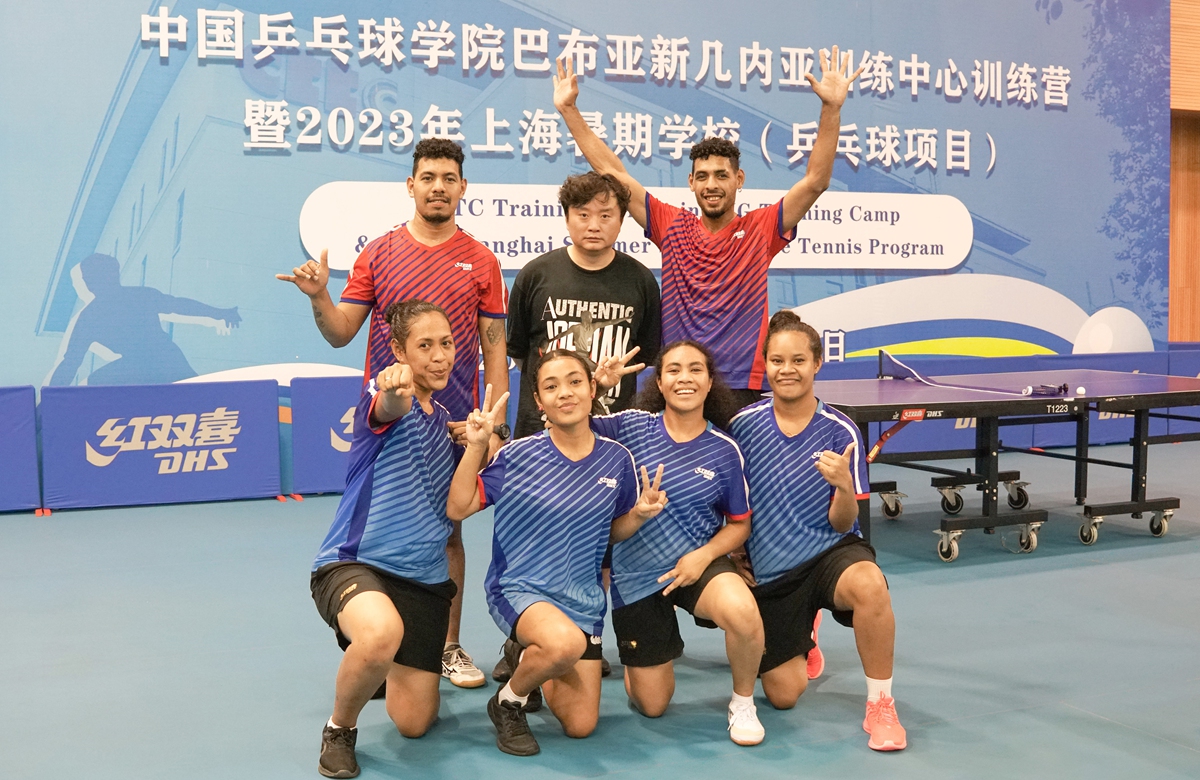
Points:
(181, 642)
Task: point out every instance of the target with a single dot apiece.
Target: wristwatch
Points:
(503, 431)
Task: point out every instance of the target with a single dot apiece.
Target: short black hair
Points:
(716, 147)
(578, 191)
(437, 149)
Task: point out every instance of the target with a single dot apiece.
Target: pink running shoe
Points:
(816, 659)
(884, 726)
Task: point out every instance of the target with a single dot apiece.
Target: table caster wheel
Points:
(1028, 541)
(947, 551)
(1019, 499)
(1158, 523)
(892, 512)
(1088, 532)
(952, 504)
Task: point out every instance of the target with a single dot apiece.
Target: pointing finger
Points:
(325, 258)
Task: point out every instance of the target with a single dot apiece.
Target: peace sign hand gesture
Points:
(653, 499)
(610, 371)
(480, 423)
(834, 83)
(836, 468)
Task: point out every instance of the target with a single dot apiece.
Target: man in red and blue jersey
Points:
(714, 266)
(432, 259)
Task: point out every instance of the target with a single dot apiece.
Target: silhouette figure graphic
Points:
(123, 325)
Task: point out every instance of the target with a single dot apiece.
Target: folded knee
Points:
(379, 644)
(579, 728)
(653, 708)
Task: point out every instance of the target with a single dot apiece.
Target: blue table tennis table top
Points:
(1106, 390)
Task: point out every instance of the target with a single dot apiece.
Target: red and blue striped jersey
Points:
(714, 285)
(461, 275)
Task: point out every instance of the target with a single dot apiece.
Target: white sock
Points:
(506, 694)
(745, 701)
(333, 725)
(879, 688)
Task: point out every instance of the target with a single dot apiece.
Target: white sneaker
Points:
(744, 727)
(459, 669)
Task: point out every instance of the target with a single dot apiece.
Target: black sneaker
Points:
(337, 752)
(512, 732)
(512, 656)
(502, 671)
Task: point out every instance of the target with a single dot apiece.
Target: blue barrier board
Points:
(159, 444)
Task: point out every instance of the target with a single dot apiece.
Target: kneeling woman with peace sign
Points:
(561, 497)
(681, 558)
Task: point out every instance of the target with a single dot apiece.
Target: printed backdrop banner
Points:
(997, 189)
(160, 444)
(18, 450)
(322, 429)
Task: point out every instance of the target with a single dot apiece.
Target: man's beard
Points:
(438, 218)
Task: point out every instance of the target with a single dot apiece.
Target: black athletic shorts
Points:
(593, 651)
(648, 631)
(425, 609)
(789, 605)
(743, 398)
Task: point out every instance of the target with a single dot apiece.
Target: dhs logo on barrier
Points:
(160, 444)
(188, 442)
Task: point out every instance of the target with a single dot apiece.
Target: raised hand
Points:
(481, 422)
(566, 84)
(396, 380)
(836, 468)
(653, 499)
(834, 83)
(609, 371)
(311, 277)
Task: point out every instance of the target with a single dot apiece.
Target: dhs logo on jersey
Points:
(706, 473)
(608, 482)
(464, 266)
(817, 455)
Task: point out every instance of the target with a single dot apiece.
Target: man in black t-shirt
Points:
(587, 296)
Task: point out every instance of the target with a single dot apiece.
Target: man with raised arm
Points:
(714, 267)
(432, 259)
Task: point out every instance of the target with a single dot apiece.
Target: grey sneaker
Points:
(337, 752)
(512, 732)
(459, 669)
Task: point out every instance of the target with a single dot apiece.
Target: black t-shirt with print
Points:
(556, 304)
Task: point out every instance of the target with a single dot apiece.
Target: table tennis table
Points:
(997, 400)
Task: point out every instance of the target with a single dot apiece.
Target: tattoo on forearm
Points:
(495, 332)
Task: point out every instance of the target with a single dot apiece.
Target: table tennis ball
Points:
(1113, 329)
(1080, 391)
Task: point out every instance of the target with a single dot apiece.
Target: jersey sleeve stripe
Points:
(739, 518)
(854, 435)
(358, 301)
(482, 493)
(382, 429)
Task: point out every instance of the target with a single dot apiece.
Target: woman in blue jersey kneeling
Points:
(807, 469)
(381, 579)
(561, 497)
(687, 547)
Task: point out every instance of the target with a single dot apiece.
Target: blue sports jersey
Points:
(553, 519)
(393, 513)
(791, 498)
(704, 483)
